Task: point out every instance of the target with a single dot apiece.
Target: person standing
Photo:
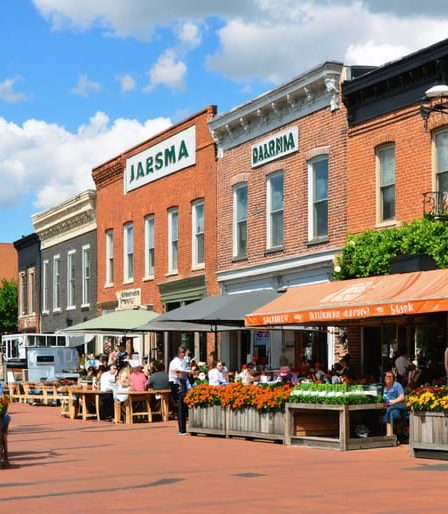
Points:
(179, 385)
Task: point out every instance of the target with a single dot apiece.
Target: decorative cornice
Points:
(305, 94)
(69, 219)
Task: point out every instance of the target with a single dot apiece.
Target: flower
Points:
(428, 399)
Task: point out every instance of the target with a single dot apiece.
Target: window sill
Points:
(318, 241)
(198, 267)
(57, 309)
(148, 278)
(171, 273)
(384, 224)
(107, 286)
(85, 306)
(274, 249)
(128, 281)
(71, 308)
(45, 313)
(239, 258)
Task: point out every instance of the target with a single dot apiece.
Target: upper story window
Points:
(149, 246)
(441, 142)
(240, 220)
(386, 182)
(23, 296)
(57, 283)
(32, 290)
(86, 274)
(198, 233)
(173, 240)
(128, 253)
(318, 198)
(109, 257)
(275, 210)
(45, 286)
(71, 279)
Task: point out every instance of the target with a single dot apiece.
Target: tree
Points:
(8, 306)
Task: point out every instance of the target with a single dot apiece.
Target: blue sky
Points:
(82, 80)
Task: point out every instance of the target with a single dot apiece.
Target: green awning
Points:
(118, 321)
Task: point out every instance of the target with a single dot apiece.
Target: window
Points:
(71, 280)
(128, 257)
(173, 237)
(45, 286)
(109, 257)
(275, 210)
(56, 283)
(149, 246)
(32, 290)
(240, 220)
(442, 162)
(86, 274)
(23, 294)
(198, 233)
(386, 179)
(318, 198)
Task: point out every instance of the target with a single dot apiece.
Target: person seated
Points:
(336, 374)
(248, 372)
(414, 377)
(216, 375)
(138, 380)
(159, 378)
(317, 373)
(393, 395)
(286, 376)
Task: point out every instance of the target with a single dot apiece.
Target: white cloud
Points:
(189, 36)
(168, 71)
(127, 83)
(7, 92)
(85, 86)
(51, 163)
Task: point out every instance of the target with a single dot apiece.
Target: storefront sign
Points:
(173, 154)
(129, 299)
(282, 143)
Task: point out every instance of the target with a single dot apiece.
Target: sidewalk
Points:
(59, 465)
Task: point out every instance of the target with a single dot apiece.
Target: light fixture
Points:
(435, 100)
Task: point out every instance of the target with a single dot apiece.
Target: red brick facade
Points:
(323, 132)
(8, 262)
(179, 189)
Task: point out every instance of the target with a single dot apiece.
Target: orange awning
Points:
(330, 302)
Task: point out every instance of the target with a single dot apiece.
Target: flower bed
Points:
(428, 436)
(333, 394)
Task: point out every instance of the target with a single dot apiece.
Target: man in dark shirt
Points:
(159, 379)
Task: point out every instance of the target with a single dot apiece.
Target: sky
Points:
(83, 80)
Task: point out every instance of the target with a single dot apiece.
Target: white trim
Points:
(71, 281)
(56, 308)
(379, 203)
(311, 185)
(269, 231)
(195, 264)
(127, 277)
(147, 219)
(235, 222)
(171, 269)
(45, 286)
(85, 289)
(109, 257)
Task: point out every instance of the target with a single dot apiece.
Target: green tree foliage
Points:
(368, 253)
(8, 306)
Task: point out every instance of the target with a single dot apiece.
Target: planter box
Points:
(428, 435)
(250, 423)
(255, 424)
(207, 420)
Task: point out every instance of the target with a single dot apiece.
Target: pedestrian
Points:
(179, 384)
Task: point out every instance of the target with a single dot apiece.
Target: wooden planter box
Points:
(254, 424)
(207, 420)
(237, 423)
(428, 435)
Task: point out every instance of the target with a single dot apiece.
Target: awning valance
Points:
(332, 302)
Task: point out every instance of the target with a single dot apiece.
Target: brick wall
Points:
(8, 262)
(179, 189)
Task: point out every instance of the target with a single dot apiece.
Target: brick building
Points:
(397, 168)
(156, 216)
(8, 259)
(282, 201)
(28, 254)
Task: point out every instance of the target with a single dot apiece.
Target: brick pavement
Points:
(59, 465)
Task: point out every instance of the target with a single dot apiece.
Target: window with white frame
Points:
(240, 220)
(198, 233)
(441, 143)
(275, 210)
(86, 274)
(32, 290)
(318, 198)
(149, 246)
(109, 257)
(23, 296)
(386, 182)
(128, 253)
(71, 301)
(45, 286)
(56, 283)
(173, 239)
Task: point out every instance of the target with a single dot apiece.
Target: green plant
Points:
(369, 253)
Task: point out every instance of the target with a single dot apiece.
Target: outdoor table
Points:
(87, 397)
(145, 397)
(328, 426)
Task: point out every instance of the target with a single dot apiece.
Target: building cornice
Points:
(69, 219)
(305, 94)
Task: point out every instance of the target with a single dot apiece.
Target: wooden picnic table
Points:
(144, 398)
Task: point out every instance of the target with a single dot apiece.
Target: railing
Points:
(435, 205)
